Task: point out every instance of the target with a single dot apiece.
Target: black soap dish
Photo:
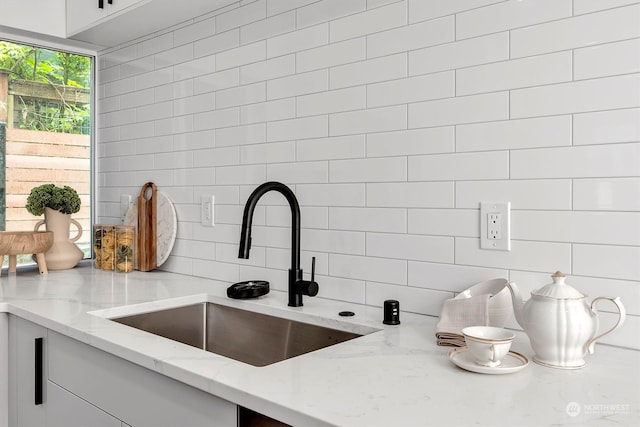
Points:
(248, 289)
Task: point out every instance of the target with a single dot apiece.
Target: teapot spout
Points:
(518, 303)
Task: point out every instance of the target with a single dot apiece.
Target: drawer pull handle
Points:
(39, 371)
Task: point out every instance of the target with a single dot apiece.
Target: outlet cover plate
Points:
(207, 204)
(495, 226)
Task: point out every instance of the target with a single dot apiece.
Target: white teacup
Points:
(488, 344)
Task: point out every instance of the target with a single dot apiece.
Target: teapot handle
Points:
(621, 315)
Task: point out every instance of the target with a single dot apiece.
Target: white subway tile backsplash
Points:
(607, 59)
(610, 228)
(411, 194)
(592, 161)
(240, 135)
(242, 15)
(444, 222)
(268, 111)
(215, 119)
(238, 175)
(334, 101)
(268, 69)
(551, 68)
(508, 15)
(341, 289)
(585, 6)
(449, 277)
(311, 216)
(367, 22)
(523, 194)
(242, 55)
(410, 142)
(331, 55)
(370, 71)
(333, 242)
(407, 38)
(368, 170)
(580, 31)
(459, 166)
(466, 109)
(368, 268)
(339, 147)
(524, 255)
(607, 126)
(299, 84)
(606, 194)
(269, 27)
(194, 104)
(216, 81)
(411, 89)
(197, 31)
(513, 134)
(299, 172)
(618, 262)
(217, 43)
(331, 194)
(278, 152)
(182, 71)
(459, 54)
(422, 10)
(410, 247)
(241, 95)
(370, 120)
(295, 41)
(306, 127)
(327, 10)
(388, 220)
(391, 120)
(581, 96)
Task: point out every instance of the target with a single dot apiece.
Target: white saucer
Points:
(512, 362)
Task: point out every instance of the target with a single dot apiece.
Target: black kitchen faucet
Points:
(297, 286)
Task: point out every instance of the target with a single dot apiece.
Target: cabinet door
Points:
(40, 16)
(67, 410)
(4, 370)
(27, 376)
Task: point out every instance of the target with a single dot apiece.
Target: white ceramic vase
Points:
(63, 254)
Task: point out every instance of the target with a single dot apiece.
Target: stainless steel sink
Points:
(250, 337)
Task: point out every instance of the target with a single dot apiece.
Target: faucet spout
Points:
(297, 286)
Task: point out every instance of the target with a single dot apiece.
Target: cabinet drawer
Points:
(133, 394)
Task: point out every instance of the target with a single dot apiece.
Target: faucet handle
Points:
(310, 287)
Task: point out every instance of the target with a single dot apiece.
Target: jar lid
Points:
(558, 289)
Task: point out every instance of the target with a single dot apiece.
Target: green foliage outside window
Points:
(59, 70)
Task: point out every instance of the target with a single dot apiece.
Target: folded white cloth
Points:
(458, 313)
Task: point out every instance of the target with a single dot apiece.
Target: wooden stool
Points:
(14, 243)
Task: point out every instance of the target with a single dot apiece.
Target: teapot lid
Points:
(558, 289)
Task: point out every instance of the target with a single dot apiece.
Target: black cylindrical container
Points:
(391, 312)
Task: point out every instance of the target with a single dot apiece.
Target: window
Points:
(45, 132)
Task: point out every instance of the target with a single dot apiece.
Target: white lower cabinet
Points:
(84, 386)
(64, 409)
(25, 410)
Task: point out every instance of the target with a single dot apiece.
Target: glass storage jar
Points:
(125, 248)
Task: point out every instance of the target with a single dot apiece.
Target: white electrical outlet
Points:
(495, 225)
(206, 210)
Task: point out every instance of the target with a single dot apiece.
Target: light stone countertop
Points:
(396, 376)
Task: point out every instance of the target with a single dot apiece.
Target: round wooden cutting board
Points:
(166, 227)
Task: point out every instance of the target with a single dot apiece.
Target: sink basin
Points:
(254, 338)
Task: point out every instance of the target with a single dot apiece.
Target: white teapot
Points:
(560, 323)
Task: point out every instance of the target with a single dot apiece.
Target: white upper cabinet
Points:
(125, 20)
(83, 14)
(38, 16)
